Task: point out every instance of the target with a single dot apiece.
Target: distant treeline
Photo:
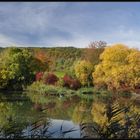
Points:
(61, 58)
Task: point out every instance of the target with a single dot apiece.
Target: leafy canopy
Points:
(119, 68)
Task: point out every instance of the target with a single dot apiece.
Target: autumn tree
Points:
(70, 82)
(119, 69)
(97, 44)
(41, 60)
(83, 71)
(93, 51)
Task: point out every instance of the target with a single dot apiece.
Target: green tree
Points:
(15, 68)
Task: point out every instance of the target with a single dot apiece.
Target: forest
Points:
(114, 68)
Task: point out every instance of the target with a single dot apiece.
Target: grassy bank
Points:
(88, 93)
(38, 87)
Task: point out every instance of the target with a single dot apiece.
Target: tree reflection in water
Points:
(115, 120)
(16, 116)
(52, 117)
(26, 119)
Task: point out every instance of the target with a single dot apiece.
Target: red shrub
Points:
(50, 105)
(37, 107)
(67, 80)
(71, 83)
(51, 79)
(39, 76)
(75, 84)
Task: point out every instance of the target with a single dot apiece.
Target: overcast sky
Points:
(69, 23)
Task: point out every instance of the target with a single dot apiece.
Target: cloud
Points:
(6, 41)
(133, 44)
(68, 24)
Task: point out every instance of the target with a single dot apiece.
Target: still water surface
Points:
(26, 115)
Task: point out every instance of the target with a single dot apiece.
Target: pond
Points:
(32, 115)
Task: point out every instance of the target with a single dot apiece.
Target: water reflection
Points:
(16, 115)
(37, 116)
(116, 119)
(64, 129)
(81, 112)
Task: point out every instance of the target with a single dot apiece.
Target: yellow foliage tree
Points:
(119, 69)
(83, 71)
